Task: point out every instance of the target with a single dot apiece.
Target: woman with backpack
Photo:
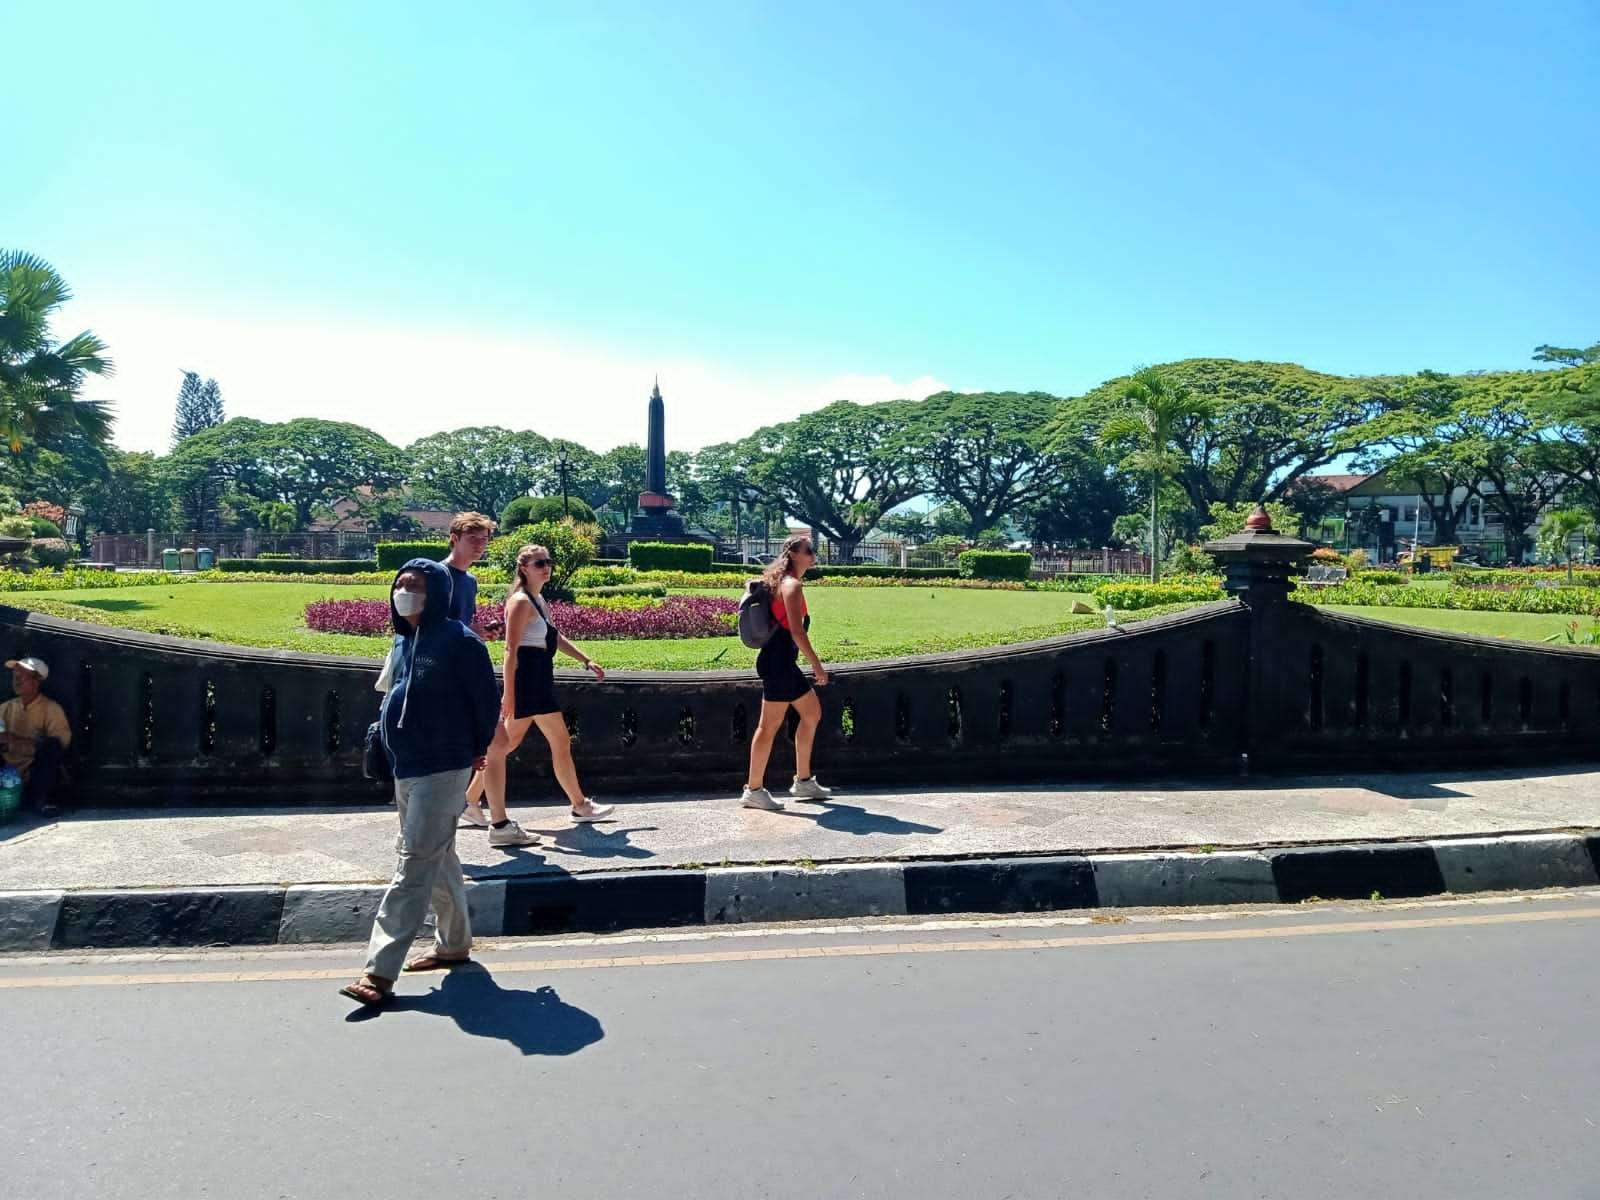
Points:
(529, 698)
(783, 684)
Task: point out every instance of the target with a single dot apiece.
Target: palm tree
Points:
(1157, 407)
(39, 379)
(1557, 530)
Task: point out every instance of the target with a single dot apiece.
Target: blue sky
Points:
(516, 212)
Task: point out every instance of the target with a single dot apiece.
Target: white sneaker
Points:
(474, 815)
(760, 798)
(512, 834)
(595, 812)
(810, 789)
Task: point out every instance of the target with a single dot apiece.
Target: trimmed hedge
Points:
(1520, 577)
(1149, 595)
(51, 552)
(294, 566)
(995, 564)
(880, 571)
(654, 590)
(670, 556)
(394, 555)
(1386, 578)
(1573, 601)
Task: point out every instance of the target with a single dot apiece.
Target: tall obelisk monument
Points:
(655, 515)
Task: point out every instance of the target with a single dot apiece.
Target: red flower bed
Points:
(674, 617)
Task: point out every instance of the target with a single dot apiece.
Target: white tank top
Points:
(537, 631)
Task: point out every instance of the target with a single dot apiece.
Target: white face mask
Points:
(409, 604)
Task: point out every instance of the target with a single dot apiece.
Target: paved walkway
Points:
(218, 847)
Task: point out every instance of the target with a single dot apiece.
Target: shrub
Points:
(16, 526)
(571, 545)
(394, 555)
(1577, 601)
(995, 564)
(1383, 578)
(44, 529)
(673, 617)
(875, 581)
(881, 571)
(72, 577)
(720, 579)
(1149, 595)
(1081, 581)
(535, 510)
(1326, 554)
(655, 590)
(51, 552)
(52, 514)
(670, 556)
(295, 566)
(1189, 560)
(596, 576)
(1356, 560)
(275, 554)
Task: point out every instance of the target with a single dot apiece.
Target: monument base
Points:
(656, 524)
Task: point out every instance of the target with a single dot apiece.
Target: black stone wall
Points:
(164, 720)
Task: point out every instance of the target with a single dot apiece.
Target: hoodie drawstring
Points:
(411, 662)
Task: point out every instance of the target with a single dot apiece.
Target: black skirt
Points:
(778, 664)
(535, 682)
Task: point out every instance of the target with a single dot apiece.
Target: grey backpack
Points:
(756, 624)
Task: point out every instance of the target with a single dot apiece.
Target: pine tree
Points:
(199, 407)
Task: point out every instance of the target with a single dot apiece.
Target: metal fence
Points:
(145, 549)
(1046, 562)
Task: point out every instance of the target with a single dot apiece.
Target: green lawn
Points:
(1520, 627)
(848, 623)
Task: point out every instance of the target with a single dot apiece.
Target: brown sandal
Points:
(435, 962)
(364, 991)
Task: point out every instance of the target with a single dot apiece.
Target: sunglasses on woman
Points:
(540, 562)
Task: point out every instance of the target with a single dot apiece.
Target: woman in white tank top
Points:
(529, 698)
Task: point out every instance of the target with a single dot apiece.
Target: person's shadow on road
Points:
(590, 841)
(535, 1022)
(852, 818)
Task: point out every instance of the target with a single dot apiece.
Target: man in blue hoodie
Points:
(438, 718)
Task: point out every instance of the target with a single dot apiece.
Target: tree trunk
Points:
(1155, 529)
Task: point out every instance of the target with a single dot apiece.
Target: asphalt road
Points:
(1444, 1049)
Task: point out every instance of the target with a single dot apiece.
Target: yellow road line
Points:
(1072, 942)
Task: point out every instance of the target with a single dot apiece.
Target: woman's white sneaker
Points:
(474, 815)
(512, 834)
(810, 789)
(594, 812)
(760, 798)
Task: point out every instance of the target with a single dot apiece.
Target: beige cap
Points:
(37, 665)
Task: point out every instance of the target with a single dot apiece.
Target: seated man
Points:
(37, 732)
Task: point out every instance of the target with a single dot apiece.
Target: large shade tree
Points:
(1427, 444)
(840, 469)
(1269, 424)
(307, 465)
(990, 453)
(480, 468)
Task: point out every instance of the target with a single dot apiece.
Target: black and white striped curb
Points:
(605, 902)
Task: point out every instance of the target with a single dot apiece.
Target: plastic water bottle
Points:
(1111, 617)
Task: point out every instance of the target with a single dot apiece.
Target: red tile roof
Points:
(1339, 483)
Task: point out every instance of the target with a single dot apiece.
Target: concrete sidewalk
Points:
(142, 848)
(232, 875)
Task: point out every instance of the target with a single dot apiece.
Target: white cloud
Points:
(405, 382)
